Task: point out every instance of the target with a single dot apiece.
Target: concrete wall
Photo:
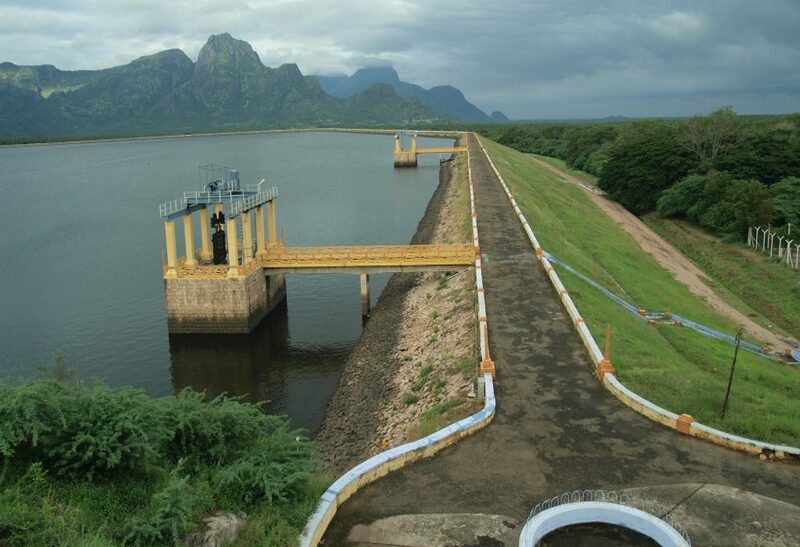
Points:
(221, 305)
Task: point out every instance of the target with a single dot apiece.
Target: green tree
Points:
(745, 203)
(709, 137)
(786, 201)
(645, 159)
(678, 199)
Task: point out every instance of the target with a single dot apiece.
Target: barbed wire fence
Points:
(776, 243)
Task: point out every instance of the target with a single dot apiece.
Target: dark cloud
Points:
(533, 59)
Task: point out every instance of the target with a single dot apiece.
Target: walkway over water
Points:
(556, 428)
(342, 259)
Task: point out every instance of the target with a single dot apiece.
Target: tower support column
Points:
(188, 238)
(233, 248)
(247, 238)
(261, 243)
(273, 230)
(205, 240)
(172, 250)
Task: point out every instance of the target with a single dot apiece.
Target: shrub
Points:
(108, 431)
(168, 517)
(276, 470)
(213, 432)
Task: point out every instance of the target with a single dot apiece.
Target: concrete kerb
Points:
(592, 511)
(683, 423)
(400, 456)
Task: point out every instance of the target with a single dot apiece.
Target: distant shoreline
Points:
(370, 131)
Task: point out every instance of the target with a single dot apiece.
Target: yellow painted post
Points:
(273, 229)
(233, 248)
(205, 240)
(261, 243)
(172, 250)
(217, 208)
(397, 144)
(188, 238)
(414, 144)
(247, 239)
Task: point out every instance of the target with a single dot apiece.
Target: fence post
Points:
(789, 252)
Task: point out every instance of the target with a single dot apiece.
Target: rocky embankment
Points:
(413, 367)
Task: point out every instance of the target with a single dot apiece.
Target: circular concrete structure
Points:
(585, 512)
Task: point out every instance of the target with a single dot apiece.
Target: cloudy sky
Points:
(529, 58)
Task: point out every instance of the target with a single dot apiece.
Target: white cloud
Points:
(528, 58)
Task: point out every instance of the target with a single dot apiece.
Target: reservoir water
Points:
(80, 260)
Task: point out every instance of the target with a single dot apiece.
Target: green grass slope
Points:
(674, 367)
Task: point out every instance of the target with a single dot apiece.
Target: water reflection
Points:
(261, 366)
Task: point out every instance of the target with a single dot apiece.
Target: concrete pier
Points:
(236, 305)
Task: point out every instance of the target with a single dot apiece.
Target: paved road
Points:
(556, 429)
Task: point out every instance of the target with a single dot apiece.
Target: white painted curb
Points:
(400, 456)
(609, 379)
(594, 511)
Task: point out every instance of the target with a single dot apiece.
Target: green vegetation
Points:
(722, 171)
(442, 415)
(100, 466)
(673, 367)
(227, 89)
(562, 165)
(755, 285)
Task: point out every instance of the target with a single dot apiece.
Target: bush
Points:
(98, 463)
(213, 432)
(277, 470)
(108, 431)
(169, 516)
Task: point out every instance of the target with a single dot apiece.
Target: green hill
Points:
(227, 88)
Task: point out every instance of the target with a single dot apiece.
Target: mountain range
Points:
(445, 99)
(228, 88)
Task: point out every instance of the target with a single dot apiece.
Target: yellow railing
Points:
(368, 255)
(451, 150)
(338, 257)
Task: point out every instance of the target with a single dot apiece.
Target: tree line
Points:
(722, 171)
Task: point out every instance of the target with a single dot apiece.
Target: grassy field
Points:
(676, 368)
(767, 288)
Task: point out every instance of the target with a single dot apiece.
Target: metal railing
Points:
(610, 496)
(251, 202)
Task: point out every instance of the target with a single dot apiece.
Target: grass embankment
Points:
(561, 164)
(765, 288)
(674, 367)
(96, 467)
